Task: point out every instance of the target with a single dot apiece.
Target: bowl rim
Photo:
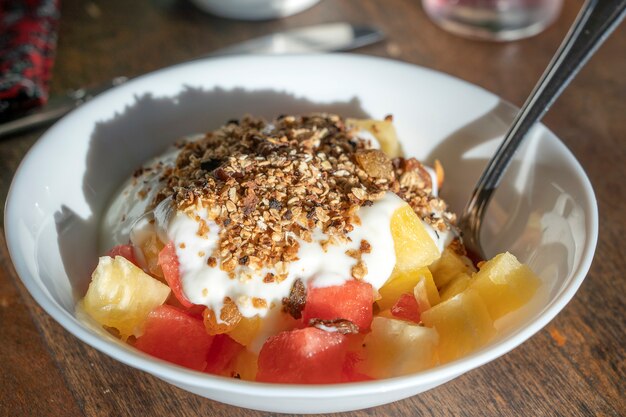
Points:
(176, 374)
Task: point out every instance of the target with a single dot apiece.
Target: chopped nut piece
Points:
(259, 302)
(375, 163)
(359, 193)
(359, 270)
(342, 326)
(229, 264)
(294, 304)
(275, 204)
(457, 247)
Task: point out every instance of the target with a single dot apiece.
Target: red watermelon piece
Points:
(351, 301)
(168, 261)
(303, 356)
(406, 308)
(177, 337)
(349, 369)
(223, 351)
(125, 251)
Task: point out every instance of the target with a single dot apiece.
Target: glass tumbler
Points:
(498, 20)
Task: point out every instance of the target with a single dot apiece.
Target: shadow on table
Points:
(145, 129)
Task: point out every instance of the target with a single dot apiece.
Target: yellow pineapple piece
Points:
(448, 266)
(383, 131)
(386, 314)
(397, 347)
(413, 245)
(246, 330)
(440, 173)
(402, 282)
(415, 250)
(121, 295)
(455, 286)
(463, 324)
(150, 249)
(504, 284)
(245, 365)
(229, 318)
(425, 293)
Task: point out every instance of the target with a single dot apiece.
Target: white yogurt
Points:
(132, 201)
(208, 286)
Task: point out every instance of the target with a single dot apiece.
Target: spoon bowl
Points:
(595, 22)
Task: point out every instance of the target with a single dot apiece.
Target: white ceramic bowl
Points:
(544, 212)
(254, 9)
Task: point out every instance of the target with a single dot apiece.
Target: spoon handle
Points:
(596, 20)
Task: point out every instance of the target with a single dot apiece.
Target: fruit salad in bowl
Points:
(305, 250)
(325, 284)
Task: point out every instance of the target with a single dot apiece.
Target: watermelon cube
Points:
(168, 261)
(351, 301)
(177, 337)
(303, 356)
(406, 308)
(125, 251)
(223, 352)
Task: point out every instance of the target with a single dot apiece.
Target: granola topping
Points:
(267, 186)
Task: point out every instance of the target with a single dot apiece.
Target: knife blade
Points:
(330, 37)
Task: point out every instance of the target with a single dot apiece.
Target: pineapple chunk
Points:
(228, 320)
(463, 324)
(426, 293)
(413, 245)
(448, 266)
(150, 248)
(504, 284)
(121, 295)
(246, 330)
(386, 314)
(415, 250)
(245, 365)
(383, 131)
(397, 347)
(402, 282)
(455, 286)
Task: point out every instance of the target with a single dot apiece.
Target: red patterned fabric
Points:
(28, 32)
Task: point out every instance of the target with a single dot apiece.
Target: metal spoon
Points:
(596, 20)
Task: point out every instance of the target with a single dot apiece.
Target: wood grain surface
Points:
(574, 367)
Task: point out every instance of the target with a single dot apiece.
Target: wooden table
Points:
(575, 366)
